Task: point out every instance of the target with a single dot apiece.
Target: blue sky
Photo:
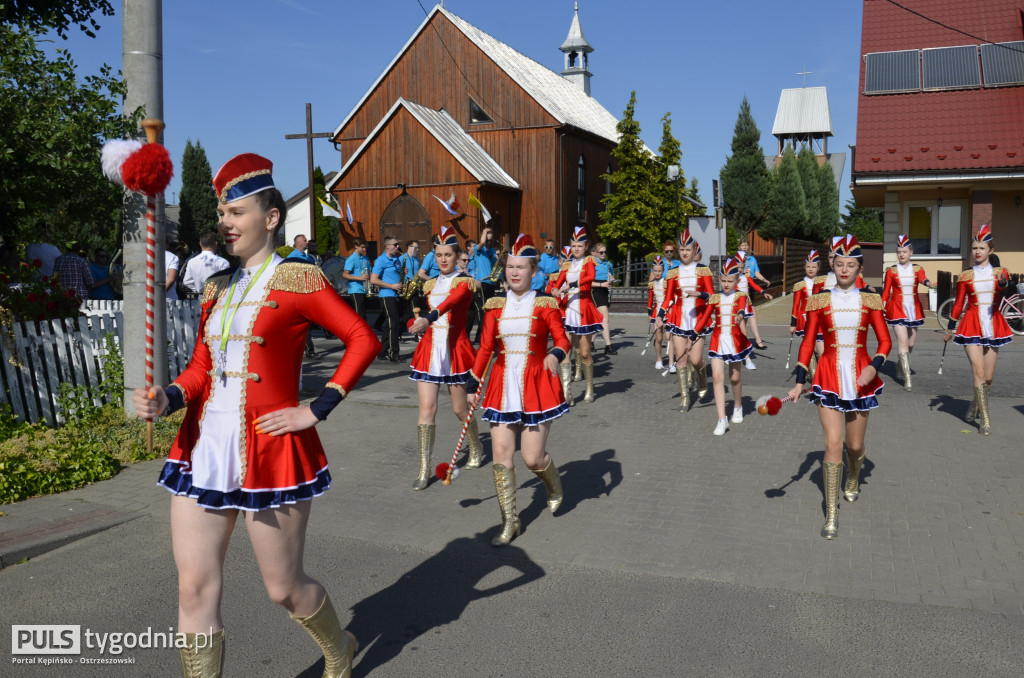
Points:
(237, 75)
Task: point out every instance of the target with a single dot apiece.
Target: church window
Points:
(581, 189)
(477, 115)
(572, 59)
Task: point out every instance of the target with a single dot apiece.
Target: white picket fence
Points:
(73, 351)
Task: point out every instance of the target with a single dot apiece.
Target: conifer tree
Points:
(746, 182)
(829, 195)
(669, 153)
(787, 214)
(810, 181)
(198, 201)
(326, 228)
(631, 215)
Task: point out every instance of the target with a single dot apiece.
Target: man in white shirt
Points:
(171, 264)
(204, 264)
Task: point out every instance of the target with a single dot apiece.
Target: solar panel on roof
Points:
(950, 67)
(1003, 63)
(886, 72)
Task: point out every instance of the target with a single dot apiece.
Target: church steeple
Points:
(576, 50)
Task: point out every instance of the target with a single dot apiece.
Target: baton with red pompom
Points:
(771, 405)
(147, 169)
(448, 472)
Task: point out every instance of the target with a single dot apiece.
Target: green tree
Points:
(326, 228)
(864, 222)
(810, 181)
(630, 216)
(198, 200)
(694, 192)
(829, 202)
(53, 128)
(670, 193)
(746, 182)
(787, 214)
(55, 14)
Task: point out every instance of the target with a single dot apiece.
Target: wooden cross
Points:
(309, 136)
(805, 73)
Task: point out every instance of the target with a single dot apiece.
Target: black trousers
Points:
(358, 302)
(392, 326)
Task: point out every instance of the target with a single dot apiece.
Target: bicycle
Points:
(1012, 309)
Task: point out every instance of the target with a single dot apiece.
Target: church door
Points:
(406, 219)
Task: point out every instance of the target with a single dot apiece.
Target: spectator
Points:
(44, 252)
(100, 271)
(301, 244)
(171, 263)
(72, 270)
(204, 264)
(312, 253)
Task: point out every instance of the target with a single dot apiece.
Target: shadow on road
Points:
(956, 407)
(813, 461)
(431, 595)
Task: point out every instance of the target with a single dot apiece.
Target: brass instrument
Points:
(499, 265)
(411, 288)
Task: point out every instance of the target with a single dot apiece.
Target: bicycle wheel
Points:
(942, 314)
(1013, 311)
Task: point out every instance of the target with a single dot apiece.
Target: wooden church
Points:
(460, 113)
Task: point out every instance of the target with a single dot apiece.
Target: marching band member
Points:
(522, 393)
(728, 344)
(903, 310)
(803, 291)
(983, 329)
(846, 385)
(582, 320)
(679, 312)
(444, 354)
(565, 368)
(246, 444)
(655, 297)
(745, 284)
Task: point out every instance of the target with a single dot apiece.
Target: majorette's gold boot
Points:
(986, 423)
(552, 483)
(813, 367)
(588, 373)
(702, 381)
(473, 436)
(505, 486)
(972, 411)
(203, 656)
(905, 368)
(425, 437)
(565, 372)
(337, 645)
(832, 473)
(578, 376)
(684, 387)
(851, 491)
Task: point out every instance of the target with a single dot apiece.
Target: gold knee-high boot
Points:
(578, 376)
(813, 367)
(565, 372)
(425, 438)
(981, 393)
(505, 486)
(702, 381)
(684, 387)
(851, 491)
(905, 368)
(552, 483)
(337, 645)
(473, 436)
(588, 373)
(203, 655)
(972, 411)
(832, 473)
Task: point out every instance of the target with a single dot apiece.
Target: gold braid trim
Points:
(184, 393)
(543, 302)
(553, 276)
(674, 273)
(703, 270)
(466, 280)
(819, 301)
(715, 298)
(428, 286)
(298, 278)
(216, 285)
(591, 259)
(872, 301)
(799, 286)
(916, 269)
(494, 302)
(338, 388)
(966, 276)
(744, 295)
(820, 279)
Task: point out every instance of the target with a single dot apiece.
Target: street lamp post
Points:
(673, 176)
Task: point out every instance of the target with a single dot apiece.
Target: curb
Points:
(35, 541)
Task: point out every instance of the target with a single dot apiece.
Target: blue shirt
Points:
(482, 262)
(539, 281)
(103, 291)
(548, 263)
(429, 265)
(412, 265)
(356, 264)
(750, 264)
(675, 263)
(602, 269)
(389, 270)
(301, 256)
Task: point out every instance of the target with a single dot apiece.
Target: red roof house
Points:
(940, 126)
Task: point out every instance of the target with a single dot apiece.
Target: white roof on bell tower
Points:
(575, 40)
(803, 111)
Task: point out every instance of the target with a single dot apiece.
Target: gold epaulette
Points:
(217, 284)
(966, 276)
(819, 301)
(820, 279)
(872, 301)
(564, 266)
(703, 270)
(715, 298)
(916, 269)
(799, 286)
(298, 278)
(494, 302)
(545, 301)
(998, 271)
(553, 276)
(467, 280)
(744, 295)
(428, 285)
(674, 273)
(650, 284)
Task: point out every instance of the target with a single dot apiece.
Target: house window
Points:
(935, 230)
(581, 190)
(477, 115)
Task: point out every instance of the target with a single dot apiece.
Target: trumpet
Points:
(495, 273)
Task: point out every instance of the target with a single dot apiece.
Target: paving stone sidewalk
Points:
(650, 491)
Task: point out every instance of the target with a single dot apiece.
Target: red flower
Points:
(71, 294)
(32, 297)
(37, 263)
(46, 278)
(50, 305)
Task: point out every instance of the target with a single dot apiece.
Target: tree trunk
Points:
(629, 267)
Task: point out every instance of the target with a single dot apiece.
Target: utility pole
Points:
(142, 65)
(309, 136)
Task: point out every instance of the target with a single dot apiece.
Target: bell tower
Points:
(577, 50)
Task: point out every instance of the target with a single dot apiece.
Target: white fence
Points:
(39, 357)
